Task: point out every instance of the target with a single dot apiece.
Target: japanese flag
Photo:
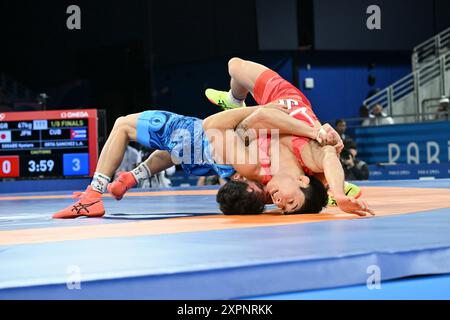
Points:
(5, 136)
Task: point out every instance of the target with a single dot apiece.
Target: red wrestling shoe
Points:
(90, 205)
(121, 185)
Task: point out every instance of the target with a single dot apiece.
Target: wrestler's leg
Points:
(90, 202)
(157, 162)
(243, 75)
(111, 157)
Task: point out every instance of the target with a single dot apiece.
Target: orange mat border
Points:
(385, 202)
(130, 194)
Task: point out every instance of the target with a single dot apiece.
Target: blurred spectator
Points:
(351, 147)
(377, 117)
(210, 181)
(442, 111)
(161, 180)
(354, 169)
(363, 112)
(131, 159)
(341, 128)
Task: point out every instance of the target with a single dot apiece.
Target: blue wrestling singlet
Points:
(184, 138)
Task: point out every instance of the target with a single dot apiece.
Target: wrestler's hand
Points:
(328, 136)
(354, 206)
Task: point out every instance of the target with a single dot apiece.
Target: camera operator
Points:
(354, 169)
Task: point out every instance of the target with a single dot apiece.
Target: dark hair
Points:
(350, 144)
(234, 199)
(316, 197)
(346, 154)
(340, 121)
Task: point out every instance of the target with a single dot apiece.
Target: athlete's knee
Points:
(234, 65)
(126, 124)
(120, 123)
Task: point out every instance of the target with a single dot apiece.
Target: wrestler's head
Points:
(316, 197)
(295, 196)
(241, 196)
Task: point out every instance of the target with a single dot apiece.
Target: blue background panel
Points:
(411, 140)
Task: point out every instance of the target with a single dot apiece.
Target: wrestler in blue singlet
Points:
(184, 138)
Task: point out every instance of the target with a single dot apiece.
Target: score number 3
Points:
(76, 164)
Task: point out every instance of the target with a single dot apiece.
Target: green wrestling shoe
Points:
(350, 189)
(220, 98)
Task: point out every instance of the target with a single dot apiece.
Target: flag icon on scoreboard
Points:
(78, 134)
(5, 136)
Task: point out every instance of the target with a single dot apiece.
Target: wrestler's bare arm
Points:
(227, 119)
(269, 117)
(260, 117)
(326, 159)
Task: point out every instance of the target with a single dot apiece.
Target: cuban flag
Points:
(78, 134)
(5, 136)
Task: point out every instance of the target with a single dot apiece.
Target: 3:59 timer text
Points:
(40, 166)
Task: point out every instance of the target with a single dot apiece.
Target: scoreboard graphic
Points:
(60, 143)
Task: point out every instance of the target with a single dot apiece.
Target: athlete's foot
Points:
(121, 185)
(220, 98)
(90, 205)
(350, 189)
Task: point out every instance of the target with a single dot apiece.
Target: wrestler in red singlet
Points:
(270, 87)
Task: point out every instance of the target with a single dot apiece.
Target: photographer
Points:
(354, 169)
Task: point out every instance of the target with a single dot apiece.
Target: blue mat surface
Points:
(233, 263)
(222, 264)
(421, 288)
(34, 213)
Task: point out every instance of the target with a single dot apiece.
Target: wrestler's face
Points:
(253, 186)
(285, 192)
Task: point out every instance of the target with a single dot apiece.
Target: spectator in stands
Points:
(377, 117)
(364, 109)
(341, 128)
(442, 111)
(351, 147)
(161, 180)
(354, 169)
(363, 112)
(131, 159)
